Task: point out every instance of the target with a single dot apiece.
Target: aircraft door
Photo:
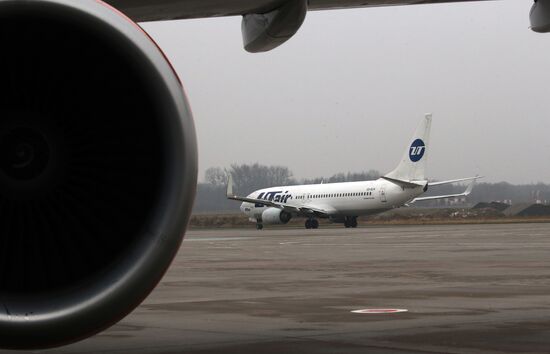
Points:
(383, 195)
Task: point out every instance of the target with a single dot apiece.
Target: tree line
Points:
(250, 177)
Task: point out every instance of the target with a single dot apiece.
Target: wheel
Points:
(259, 226)
(308, 224)
(314, 224)
(350, 221)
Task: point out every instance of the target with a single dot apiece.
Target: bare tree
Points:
(345, 177)
(215, 176)
(248, 178)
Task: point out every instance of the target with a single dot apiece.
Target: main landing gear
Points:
(312, 224)
(350, 221)
(259, 226)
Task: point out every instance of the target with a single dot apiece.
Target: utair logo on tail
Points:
(416, 151)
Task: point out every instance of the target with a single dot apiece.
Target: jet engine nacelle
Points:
(540, 16)
(98, 168)
(275, 216)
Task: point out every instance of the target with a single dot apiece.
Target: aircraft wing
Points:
(308, 210)
(304, 210)
(156, 10)
(465, 193)
(271, 203)
(266, 24)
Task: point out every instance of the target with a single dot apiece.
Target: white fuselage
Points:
(338, 199)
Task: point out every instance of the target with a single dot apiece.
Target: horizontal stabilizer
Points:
(438, 183)
(464, 194)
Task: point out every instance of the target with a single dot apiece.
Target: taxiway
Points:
(467, 288)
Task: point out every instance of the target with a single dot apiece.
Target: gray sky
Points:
(346, 93)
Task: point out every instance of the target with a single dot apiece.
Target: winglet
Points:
(470, 187)
(229, 191)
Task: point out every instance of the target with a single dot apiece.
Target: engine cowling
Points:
(98, 168)
(539, 16)
(275, 216)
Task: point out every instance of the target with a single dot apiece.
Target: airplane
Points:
(98, 153)
(344, 202)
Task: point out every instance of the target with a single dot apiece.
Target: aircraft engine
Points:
(98, 168)
(539, 16)
(275, 216)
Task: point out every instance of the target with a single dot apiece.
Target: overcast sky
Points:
(346, 93)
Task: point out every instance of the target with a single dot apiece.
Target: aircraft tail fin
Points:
(413, 164)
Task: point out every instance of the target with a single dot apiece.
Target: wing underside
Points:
(155, 10)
